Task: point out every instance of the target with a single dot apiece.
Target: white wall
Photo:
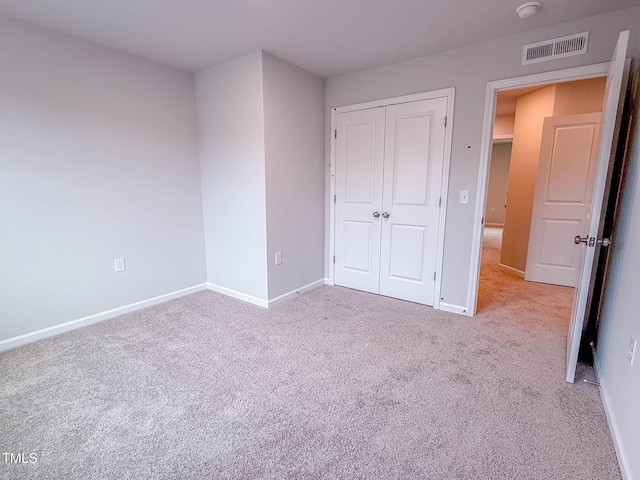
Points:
(98, 160)
(620, 312)
(468, 70)
(294, 146)
(231, 133)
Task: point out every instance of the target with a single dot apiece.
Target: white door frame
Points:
(384, 102)
(557, 76)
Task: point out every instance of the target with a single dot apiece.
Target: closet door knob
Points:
(376, 214)
(385, 215)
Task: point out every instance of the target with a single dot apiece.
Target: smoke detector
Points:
(528, 9)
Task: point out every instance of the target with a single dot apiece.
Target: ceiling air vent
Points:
(555, 48)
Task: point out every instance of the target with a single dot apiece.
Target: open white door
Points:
(563, 195)
(610, 109)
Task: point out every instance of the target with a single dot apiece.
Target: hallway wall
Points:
(498, 183)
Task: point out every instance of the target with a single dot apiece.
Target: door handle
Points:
(385, 215)
(605, 242)
(578, 240)
(376, 214)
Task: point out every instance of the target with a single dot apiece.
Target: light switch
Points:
(464, 196)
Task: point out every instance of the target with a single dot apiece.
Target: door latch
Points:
(590, 241)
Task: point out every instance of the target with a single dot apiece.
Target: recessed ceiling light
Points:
(528, 9)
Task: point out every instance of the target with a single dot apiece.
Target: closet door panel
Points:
(412, 185)
(359, 177)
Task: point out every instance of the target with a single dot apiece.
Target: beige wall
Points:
(503, 126)
(498, 181)
(584, 96)
(570, 98)
(531, 109)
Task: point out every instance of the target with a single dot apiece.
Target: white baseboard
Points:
(327, 281)
(261, 302)
(448, 307)
(520, 273)
(292, 294)
(95, 318)
(613, 424)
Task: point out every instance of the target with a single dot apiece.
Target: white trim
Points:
(611, 420)
(444, 194)
(293, 293)
(327, 281)
(261, 302)
(449, 93)
(95, 318)
(569, 74)
(332, 192)
(519, 273)
(448, 307)
(385, 102)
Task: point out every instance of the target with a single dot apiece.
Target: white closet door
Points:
(359, 159)
(414, 157)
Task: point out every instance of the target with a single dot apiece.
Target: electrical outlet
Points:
(278, 258)
(119, 263)
(631, 352)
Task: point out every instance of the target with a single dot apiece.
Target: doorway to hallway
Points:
(504, 290)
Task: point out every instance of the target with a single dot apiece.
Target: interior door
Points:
(414, 157)
(609, 219)
(607, 152)
(562, 198)
(359, 164)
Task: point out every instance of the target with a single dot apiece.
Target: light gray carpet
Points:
(337, 384)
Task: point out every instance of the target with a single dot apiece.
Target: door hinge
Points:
(334, 199)
(335, 133)
(482, 221)
(434, 276)
(334, 259)
(440, 202)
(445, 121)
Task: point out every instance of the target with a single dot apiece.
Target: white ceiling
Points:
(327, 37)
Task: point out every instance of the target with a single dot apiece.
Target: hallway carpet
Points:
(336, 384)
